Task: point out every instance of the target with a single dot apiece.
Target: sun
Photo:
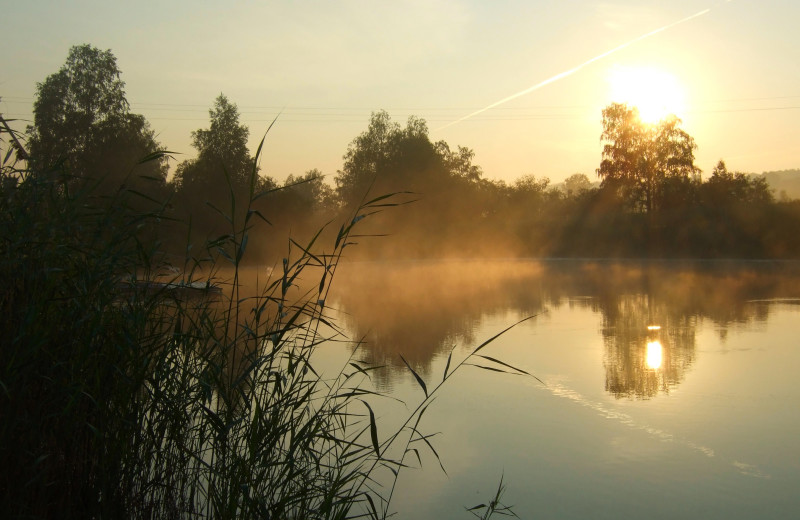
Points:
(655, 92)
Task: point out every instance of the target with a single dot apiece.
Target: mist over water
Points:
(421, 309)
(665, 382)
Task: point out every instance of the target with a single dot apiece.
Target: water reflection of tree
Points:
(676, 298)
(421, 309)
(635, 327)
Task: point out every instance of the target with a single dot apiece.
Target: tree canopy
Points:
(725, 188)
(220, 148)
(638, 158)
(82, 121)
(390, 157)
(222, 168)
(576, 184)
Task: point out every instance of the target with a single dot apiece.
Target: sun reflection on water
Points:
(654, 355)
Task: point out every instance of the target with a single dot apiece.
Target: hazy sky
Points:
(329, 64)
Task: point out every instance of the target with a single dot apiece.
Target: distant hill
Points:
(783, 182)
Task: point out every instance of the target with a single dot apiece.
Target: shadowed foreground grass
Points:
(122, 397)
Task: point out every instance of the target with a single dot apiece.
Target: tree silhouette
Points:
(390, 157)
(739, 212)
(82, 123)
(450, 196)
(459, 163)
(221, 148)
(725, 188)
(222, 168)
(576, 184)
(366, 156)
(639, 158)
(311, 193)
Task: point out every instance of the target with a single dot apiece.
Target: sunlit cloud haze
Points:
(324, 66)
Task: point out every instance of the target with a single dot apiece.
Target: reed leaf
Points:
(373, 430)
(416, 376)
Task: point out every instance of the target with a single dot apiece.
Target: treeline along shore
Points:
(651, 199)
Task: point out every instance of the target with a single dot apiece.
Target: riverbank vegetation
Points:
(140, 376)
(647, 198)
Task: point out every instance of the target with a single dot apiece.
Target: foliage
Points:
(652, 201)
(447, 188)
(495, 506)
(460, 162)
(639, 158)
(311, 191)
(724, 188)
(387, 156)
(222, 167)
(576, 184)
(221, 150)
(127, 391)
(82, 119)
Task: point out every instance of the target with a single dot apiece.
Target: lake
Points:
(668, 389)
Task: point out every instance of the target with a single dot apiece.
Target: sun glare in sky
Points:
(655, 92)
(325, 71)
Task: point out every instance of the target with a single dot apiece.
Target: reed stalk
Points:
(130, 391)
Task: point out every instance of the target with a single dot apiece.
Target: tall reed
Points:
(128, 393)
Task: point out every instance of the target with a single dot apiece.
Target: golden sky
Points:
(548, 67)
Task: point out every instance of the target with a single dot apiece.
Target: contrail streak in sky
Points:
(575, 69)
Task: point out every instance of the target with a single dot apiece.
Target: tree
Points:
(638, 158)
(365, 157)
(576, 184)
(530, 189)
(451, 200)
(459, 163)
(82, 121)
(220, 148)
(389, 157)
(296, 209)
(223, 165)
(726, 188)
(314, 195)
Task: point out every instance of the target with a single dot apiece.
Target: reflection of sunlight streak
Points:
(574, 69)
(559, 390)
(750, 470)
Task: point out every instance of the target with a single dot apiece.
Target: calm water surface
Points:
(671, 390)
